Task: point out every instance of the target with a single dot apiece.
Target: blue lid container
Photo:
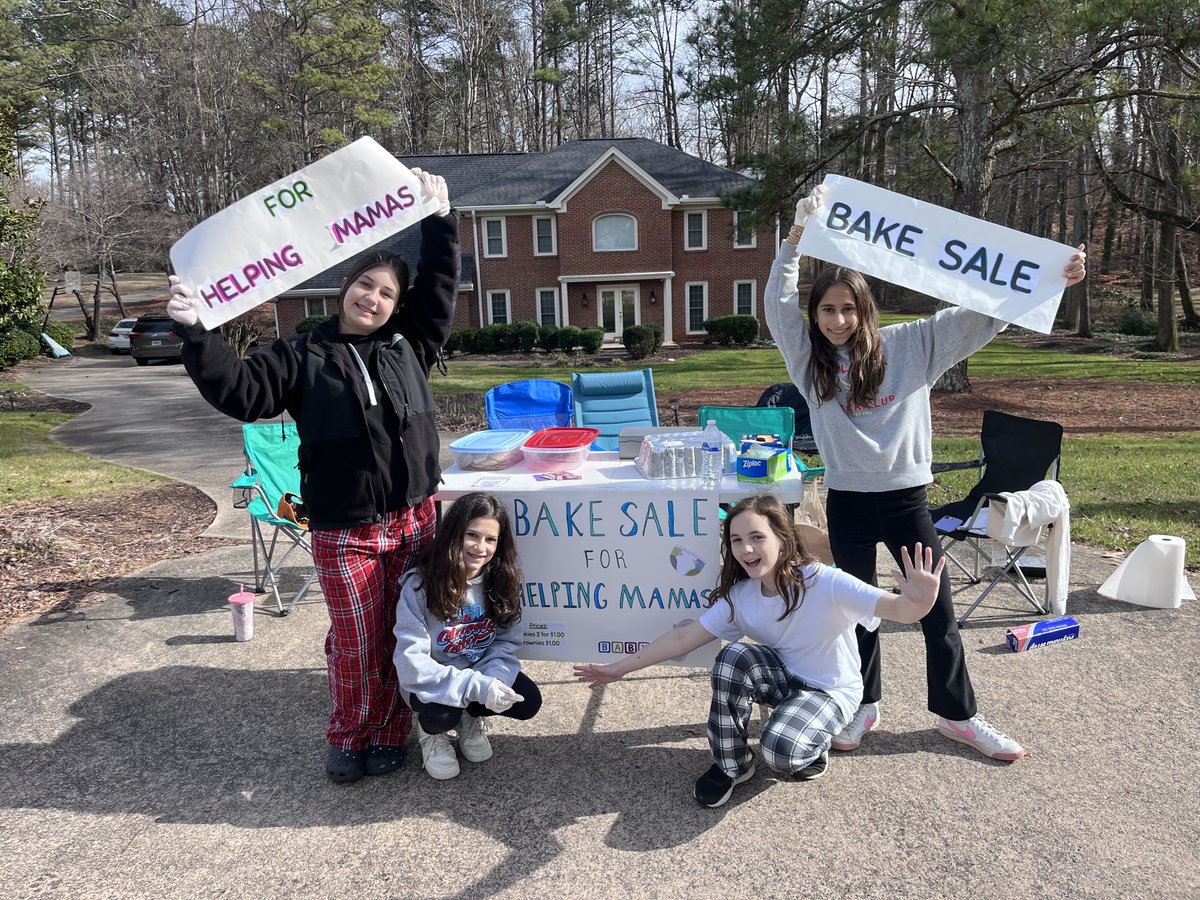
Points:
(496, 449)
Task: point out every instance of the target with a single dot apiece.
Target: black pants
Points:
(438, 718)
(857, 523)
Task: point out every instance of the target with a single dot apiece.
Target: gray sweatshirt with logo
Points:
(451, 661)
(888, 445)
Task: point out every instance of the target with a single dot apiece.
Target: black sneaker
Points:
(382, 759)
(344, 766)
(714, 786)
(814, 769)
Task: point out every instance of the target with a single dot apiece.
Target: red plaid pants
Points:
(359, 570)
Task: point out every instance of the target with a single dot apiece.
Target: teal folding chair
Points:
(734, 421)
(272, 457)
(611, 401)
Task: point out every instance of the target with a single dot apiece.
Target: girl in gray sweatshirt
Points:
(868, 390)
(457, 635)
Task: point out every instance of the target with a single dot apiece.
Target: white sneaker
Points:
(977, 732)
(438, 754)
(472, 738)
(865, 718)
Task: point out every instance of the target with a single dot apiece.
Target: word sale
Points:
(231, 286)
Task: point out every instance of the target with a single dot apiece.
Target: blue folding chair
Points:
(532, 404)
(611, 401)
(272, 453)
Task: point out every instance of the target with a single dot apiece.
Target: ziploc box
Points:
(763, 458)
(1040, 634)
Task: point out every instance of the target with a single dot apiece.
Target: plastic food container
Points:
(497, 449)
(559, 449)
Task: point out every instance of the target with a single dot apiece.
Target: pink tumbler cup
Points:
(242, 604)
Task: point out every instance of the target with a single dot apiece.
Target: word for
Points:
(229, 287)
(606, 558)
(595, 595)
(368, 217)
(958, 256)
(675, 519)
(626, 647)
(287, 197)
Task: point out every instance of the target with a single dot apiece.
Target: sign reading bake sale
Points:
(986, 267)
(611, 573)
(286, 233)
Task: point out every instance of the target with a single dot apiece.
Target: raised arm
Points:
(428, 309)
(919, 585)
(781, 299)
(675, 643)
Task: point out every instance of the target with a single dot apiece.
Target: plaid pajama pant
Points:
(802, 723)
(359, 570)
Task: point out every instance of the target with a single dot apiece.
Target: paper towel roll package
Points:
(1152, 575)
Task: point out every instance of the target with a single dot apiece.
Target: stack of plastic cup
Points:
(242, 604)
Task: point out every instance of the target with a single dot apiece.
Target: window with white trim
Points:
(547, 306)
(615, 231)
(744, 234)
(495, 238)
(743, 298)
(545, 236)
(697, 306)
(314, 306)
(499, 307)
(695, 236)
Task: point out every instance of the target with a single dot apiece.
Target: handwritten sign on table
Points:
(284, 234)
(965, 261)
(606, 574)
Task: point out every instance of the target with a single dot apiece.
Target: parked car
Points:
(153, 337)
(118, 338)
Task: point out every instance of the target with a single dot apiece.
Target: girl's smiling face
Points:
(370, 301)
(756, 547)
(837, 314)
(479, 545)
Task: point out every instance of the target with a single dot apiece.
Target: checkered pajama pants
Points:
(802, 723)
(359, 570)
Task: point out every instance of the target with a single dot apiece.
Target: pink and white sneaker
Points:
(865, 718)
(977, 732)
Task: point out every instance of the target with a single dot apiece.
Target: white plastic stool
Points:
(1152, 575)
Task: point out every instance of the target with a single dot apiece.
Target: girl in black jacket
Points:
(357, 389)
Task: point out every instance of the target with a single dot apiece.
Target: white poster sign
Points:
(606, 574)
(291, 230)
(969, 262)
(73, 281)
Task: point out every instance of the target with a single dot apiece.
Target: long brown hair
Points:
(444, 574)
(866, 350)
(792, 554)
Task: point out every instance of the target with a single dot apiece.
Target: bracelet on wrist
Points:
(793, 236)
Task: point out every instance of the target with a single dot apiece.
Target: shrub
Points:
(638, 341)
(470, 340)
(527, 336)
(17, 345)
(548, 338)
(62, 333)
(453, 343)
(569, 337)
(592, 339)
(507, 339)
(487, 340)
(307, 324)
(1137, 322)
(658, 336)
(730, 330)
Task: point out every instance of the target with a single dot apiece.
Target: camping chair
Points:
(611, 401)
(271, 471)
(1015, 454)
(532, 404)
(735, 421)
(787, 395)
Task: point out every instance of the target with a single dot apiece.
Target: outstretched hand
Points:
(920, 581)
(182, 305)
(1076, 269)
(435, 186)
(810, 204)
(594, 675)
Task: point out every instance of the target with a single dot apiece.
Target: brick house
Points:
(606, 233)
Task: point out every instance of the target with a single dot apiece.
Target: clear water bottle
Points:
(712, 456)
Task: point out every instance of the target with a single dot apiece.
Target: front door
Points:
(619, 308)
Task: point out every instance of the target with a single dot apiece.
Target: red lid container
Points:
(562, 438)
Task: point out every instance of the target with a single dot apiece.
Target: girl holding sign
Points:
(457, 634)
(868, 394)
(357, 390)
(804, 664)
